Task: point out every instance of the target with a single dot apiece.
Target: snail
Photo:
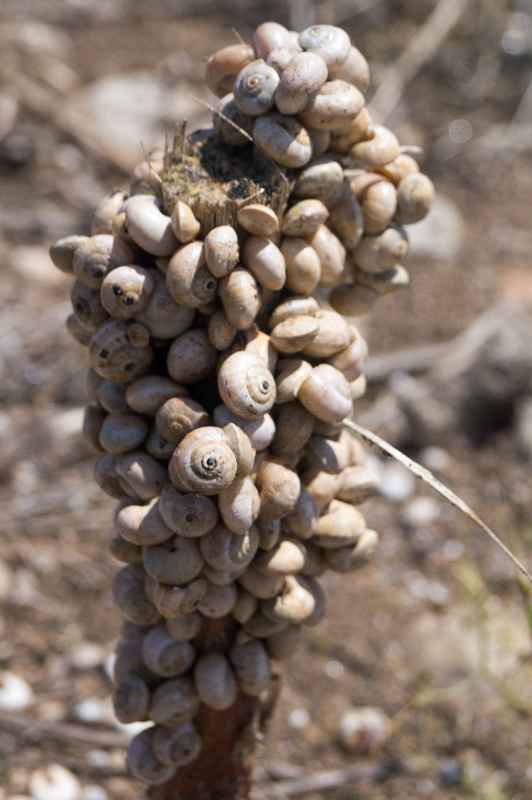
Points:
(143, 763)
(354, 69)
(114, 356)
(189, 515)
(251, 666)
(347, 559)
(221, 250)
(243, 450)
(163, 655)
(347, 217)
(291, 374)
(279, 489)
(95, 256)
(330, 455)
(259, 430)
(359, 129)
(149, 227)
(340, 526)
(188, 279)
(294, 605)
(125, 552)
(331, 253)
(332, 336)
(245, 606)
(389, 280)
(131, 699)
(262, 586)
(126, 290)
(246, 386)
(382, 251)
(184, 224)
(174, 702)
(304, 75)
(357, 484)
(322, 179)
(264, 259)
(219, 599)
(294, 306)
(177, 746)
(283, 139)
(88, 307)
(142, 475)
(203, 462)
(175, 562)
(270, 36)
(215, 681)
(304, 218)
(415, 194)
(254, 88)
(259, 220)
(399, 168)
(294, 429)
(327, 41)
(172, 601)
(191, 357)
(336, 103)
(220, 331)
(142, 525)
(350, 360)
(326, 394)
(121, 433)
(240, 296)
(147, 394)
(62, 252)
(286, 558)
(295, 334)
(301, 522)
(239, 505)
(106, 211)
(185, 627)
(377, 151)
(224, 66)
(177, 416)
(225, 550)
(131, 598)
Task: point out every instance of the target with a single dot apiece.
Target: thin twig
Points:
(426, 476)
(323, 781)
(425, 44)
(35, 729)
(225, 118)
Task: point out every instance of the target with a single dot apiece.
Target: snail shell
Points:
(87, 306)
(147, 394)
(189, 515)
(220, 331)
(254, 88)
(322, 179)
(304, 218)
(280, 58)
(333, 106)
(131, 598)
(240, 296)
(131, 699)
(191, 357)
(320, 141)
(332, 336)
(294, 605)
(350, 360)
(246, 386)
(279, 490)
(174, 702)
(377, 151)
(415, 194)
(239, 505)
(245, 606)
(384, 282)
(380, 252)
(142, 525)
(114, 357)
(176, 746)
(240, 444)
(283, 645)
(184, 224)
(259, 220)
(121, 433)
(178, 416)
(106, 211)
(326, 394)
(232, 126)
(285, 558)
(270, 36)
(259, 344)
(188, 280)
(353, 301)
(93, 419)
(163, 655)
(215, 681)
(359, 129)
(283, 139)
(143, 476)
(226, 551)
(94, 257)
(341, 525)
(269, 533)
(260, 431)
(304, 75)
(149, 227)
(347, 559)
(291, 374)
(252, 667)
(262, 586)
(260, 626)
(331, 253)
(185, 627)
(294, 334)
(293, 307)
(294, 429)
(106, 477)
(358, 483)
(347, 218)
(176, 562)
(78, 331)
(315, 564)
(124, 551)
(354, 69)
(157, 446)
(125, 291)
(221, 250)
(203, 462)
(172, 601)
(218, 601)
(399, 168)
(331, 455)
(62, 252)
(358, 387)
(328, 41)
(379, 203)
(302, 521)
(143, 763)
(224, 66)
(264, 259)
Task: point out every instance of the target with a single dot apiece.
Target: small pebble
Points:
(396, 483)
(334, 669)
(433, 591)
(436, 459)
(87, 655)
(363, 730)
(54, 782)
(93, 710)
(298, 719)
(419, 512)
(15, 693)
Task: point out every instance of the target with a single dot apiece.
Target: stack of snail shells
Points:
(222, 366)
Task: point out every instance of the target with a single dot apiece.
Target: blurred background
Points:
(420, 682)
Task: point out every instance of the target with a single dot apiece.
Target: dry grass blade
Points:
(426, 476)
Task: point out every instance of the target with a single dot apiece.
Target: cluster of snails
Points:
(218, 382)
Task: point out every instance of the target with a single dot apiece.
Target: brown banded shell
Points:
(254, 88)
(304, 75)
(283, 139)
(246, 386)
(203, 462)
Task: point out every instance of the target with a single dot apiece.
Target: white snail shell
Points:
(326, 394)
(203, 462)
(304, 75)
(328, 41)
(246, 386)
(254, 88)
(283, 139)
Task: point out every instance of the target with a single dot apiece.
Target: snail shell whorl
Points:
(246, 386)
(203, 462)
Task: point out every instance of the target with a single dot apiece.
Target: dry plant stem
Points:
(224, 769)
